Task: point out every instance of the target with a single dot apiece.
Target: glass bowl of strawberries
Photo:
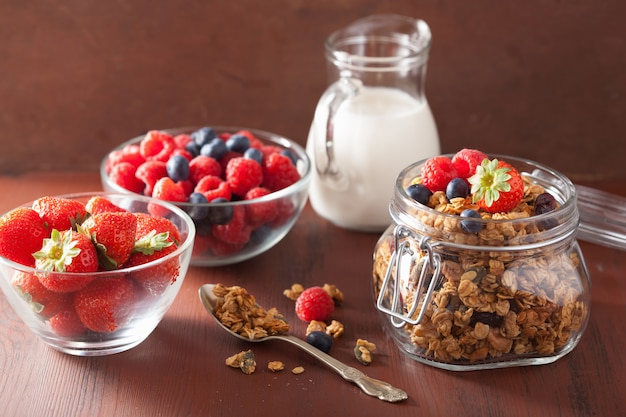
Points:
(243, 188)
(94, 273)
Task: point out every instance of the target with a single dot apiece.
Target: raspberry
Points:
(466, 160)
(224, 160)
(168, 190)
(285, 208)
(243, 174)
(202, 166)
(182, 140)
(234, 231)
(437, 172)
(213, 187)
(279, 172)
(157, 145)
(123, 174)
(314, 304)
(150, 172)
(260, 213)
(130, 154)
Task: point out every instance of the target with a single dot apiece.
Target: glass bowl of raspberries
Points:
(94, 273)
(243, 188)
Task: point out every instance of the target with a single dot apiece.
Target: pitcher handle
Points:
(323, 144)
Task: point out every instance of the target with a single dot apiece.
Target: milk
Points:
(377, 133)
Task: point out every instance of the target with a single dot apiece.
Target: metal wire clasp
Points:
(401, 261)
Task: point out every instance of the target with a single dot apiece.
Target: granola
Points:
(243, 360)
(363, 351)
(488, 305)
(238, 310)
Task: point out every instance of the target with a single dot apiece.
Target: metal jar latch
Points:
(402, 260)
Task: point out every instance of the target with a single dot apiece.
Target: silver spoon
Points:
(370, 386)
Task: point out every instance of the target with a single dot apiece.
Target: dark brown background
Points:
(538, 79)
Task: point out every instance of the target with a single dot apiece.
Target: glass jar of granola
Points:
(513, 291)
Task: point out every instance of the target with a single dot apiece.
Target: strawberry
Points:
(466, 160)
(67, 251)
(98, 204)
(60, 213)
(157, 278)
(42, 300)
(496, 186)
(66, 322)
(22, 232)
(437, 172)
(106, 304)
(114, 236)
(147, 223)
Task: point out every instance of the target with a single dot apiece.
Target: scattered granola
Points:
(238, 310)
(315, 326)
(243, 360)
(297, 370)
(335, 329)
(334, 292)
(294, 292)
(363, 351)
(275, 366)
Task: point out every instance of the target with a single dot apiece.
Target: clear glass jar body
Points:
(372, 120)
(517, 293)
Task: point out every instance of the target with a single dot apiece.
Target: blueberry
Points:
(198, 212)
(457, 187)
(259, 235)
(177, 168)
(544, 203)
(419, 193)
(220, 214)
(255, 154)
(289, 154)
(238, 143)
(471, 226)
(193, 148)
(320, 340)
(216, 149)
(203, 136)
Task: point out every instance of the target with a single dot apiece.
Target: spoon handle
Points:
(370, 386)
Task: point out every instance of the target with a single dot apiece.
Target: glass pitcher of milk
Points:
(372, 120)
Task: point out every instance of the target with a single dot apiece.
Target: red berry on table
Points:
(106, 304)
(60, 213)
(66, 251)
(114, 236)
(22, 232)
(314, 303)
(466, 160)
(437, 172)
(243, 174)
(496, 186)
(279, 172)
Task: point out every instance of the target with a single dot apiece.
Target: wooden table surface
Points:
(179, 370)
